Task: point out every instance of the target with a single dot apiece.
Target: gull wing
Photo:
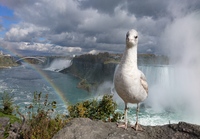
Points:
(143, 81)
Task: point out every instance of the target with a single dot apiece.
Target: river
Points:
(162, 106)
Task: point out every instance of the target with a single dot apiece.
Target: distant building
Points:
(2, 54)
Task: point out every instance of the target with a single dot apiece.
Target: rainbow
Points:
(48, 80)
(43, 76)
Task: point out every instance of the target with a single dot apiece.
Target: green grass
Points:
(111, 61)
(13, 118)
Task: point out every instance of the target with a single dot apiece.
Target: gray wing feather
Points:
(144, 82)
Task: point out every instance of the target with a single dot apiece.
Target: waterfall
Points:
(174, 89)
(160, 80)
(157, 73)
(58, 65)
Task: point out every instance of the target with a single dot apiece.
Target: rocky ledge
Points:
(83, 128)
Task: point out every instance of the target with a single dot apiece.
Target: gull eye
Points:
(136, 37)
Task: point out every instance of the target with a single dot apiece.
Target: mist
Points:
(173, 88)
(181, 93)
(59, 64)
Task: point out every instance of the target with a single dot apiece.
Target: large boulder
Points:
(84, 128)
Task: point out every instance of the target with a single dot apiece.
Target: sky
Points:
(63, 27)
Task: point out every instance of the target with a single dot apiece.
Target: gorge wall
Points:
(95, 69)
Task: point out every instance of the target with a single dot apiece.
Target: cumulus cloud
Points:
(25, 32)
(93, 24)
(27, 48)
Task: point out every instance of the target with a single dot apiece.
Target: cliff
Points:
(7, 61)
(87, 129)
(95, 69)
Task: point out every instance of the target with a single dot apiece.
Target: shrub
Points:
(7, 102)
(42, 124)
(93, 109)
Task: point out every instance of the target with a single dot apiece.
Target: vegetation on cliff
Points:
(83, 84)
(104, 109)
(7, 61)
(42, 124)
(7, 102)
(40, 120)
(7, 108)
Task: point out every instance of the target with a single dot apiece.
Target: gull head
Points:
(131, 38)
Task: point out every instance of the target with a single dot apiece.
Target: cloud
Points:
(103, 6)
(92, 24)
(25, 32)
(26, 48)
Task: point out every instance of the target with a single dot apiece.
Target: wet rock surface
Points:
(83, 128)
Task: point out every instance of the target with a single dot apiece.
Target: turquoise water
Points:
(24, 80)
(163, 105)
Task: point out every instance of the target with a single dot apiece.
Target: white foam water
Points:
(59, 64)
(173, 96)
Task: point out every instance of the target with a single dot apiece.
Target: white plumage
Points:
(130, 83)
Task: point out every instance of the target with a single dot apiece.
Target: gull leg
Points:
(125, 118)
(137, 126)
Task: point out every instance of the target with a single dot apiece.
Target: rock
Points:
(84, 128)
(4, 123)
(8, 128)
(15, 126)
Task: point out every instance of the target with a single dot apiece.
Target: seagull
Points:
(129, 82)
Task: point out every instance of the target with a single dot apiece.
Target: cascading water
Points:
(160, 84)
(172, 98)
(59, 64)
(180, 40)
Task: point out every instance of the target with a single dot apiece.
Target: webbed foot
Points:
(122, 125)
(137, 127)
